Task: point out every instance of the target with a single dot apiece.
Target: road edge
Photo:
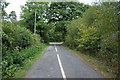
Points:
(95, 67)
(26, 68)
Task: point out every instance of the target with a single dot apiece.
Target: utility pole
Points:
(35, 23)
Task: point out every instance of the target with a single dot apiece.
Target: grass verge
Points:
(29, 62)
(99, 66)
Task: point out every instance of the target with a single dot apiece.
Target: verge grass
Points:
(29, 62)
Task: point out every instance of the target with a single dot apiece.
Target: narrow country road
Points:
(57, 62)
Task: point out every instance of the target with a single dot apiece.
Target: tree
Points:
(97, 34)
(59, 11)
(13, 17)
(56, 13)
(28, 16)
(3, 5)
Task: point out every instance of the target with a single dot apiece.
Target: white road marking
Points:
(61, 68)
(55, 48)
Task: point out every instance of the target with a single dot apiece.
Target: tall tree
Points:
(59, 11)
(28, 16)
(13, 17)
(46, 13)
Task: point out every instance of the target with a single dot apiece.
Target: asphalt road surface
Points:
(57, 62)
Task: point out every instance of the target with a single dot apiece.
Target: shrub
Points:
(18, 45)
(16, 37)
(88, 41)
(16, 60)
(97, 32)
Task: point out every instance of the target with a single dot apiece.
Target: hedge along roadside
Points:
(19, 44)
(96, 33)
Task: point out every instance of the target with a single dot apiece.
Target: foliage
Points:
(58, 14)
(18, 45)
(15, 37)
(57, 31)
(28, 16)
(88, 41)
(93, 30)
(3, 5)
(107, 24)
(71, 35)
(96, 32)
(14, 61)
(13, 17)
(54, 13)
(62, 11)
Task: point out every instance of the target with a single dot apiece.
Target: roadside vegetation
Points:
(20, 47)
(96, 34)
(90, 29)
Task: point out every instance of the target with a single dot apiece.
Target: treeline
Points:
(90, 29)
(96, 33)
(50, 18)
(18, 44)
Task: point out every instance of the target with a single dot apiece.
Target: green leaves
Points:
(56, 13)
(15, 60)
(18, 45)
(96, 32)
(28, 16)
(61, 11)
(3, 5)
(16, 36)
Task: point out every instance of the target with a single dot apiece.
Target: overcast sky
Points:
(15, 5)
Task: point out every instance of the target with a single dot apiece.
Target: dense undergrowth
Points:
(18, 45)
(96, 33)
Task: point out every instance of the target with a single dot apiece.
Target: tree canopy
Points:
(59, 11)
(47, 13)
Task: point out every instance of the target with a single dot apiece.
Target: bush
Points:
(16, 37)
(72, 30)
(96, 32)
(88, 41)
(18, 45)
(16, 60)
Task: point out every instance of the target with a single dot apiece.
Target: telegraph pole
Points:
(35, 23)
